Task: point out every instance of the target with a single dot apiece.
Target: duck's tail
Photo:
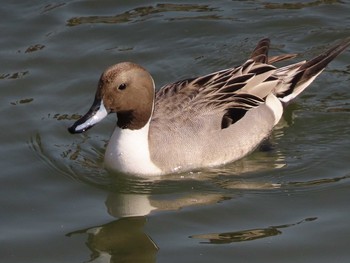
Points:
(260, 53)
(296, 77)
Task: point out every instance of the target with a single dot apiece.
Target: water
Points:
(287, 202)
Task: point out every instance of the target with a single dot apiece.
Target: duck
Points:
(198, 122)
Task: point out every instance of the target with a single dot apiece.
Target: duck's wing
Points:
(230, 93)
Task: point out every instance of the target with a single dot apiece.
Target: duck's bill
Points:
(96, 113)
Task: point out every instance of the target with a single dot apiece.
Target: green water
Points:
(287, 202)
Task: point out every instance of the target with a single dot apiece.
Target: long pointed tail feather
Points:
(279, 58)
(298, 76)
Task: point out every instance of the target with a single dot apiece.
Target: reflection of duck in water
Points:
(122, 240)
(198, 122)
(126, 205)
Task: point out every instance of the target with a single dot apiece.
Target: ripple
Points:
(50, 7)
(246, 235)
(138, 14)
(34, 48)
(314, 183)
(300, 5)
(72, 160)
(15, 75)
(22, 101)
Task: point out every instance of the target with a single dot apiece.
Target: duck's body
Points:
(199, 122)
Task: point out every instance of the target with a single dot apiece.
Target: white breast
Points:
(128, 152)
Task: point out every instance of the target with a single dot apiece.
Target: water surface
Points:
(286, 202)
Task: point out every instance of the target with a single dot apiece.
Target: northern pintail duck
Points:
(198, 122)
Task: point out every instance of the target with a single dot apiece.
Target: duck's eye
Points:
(122, 86)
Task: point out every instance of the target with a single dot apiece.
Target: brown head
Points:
(126, 89)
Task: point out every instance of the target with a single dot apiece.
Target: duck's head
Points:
(126, 89)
